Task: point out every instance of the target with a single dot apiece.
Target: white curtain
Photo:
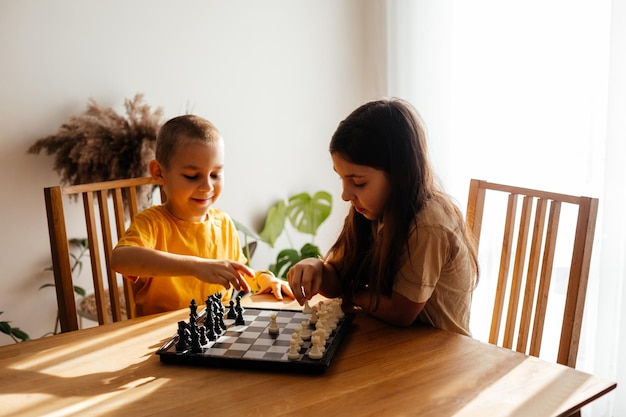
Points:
(531, 93)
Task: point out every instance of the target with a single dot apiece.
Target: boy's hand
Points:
(270, 284)
(226, 273)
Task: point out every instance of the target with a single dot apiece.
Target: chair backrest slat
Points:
(120, 222)
(60, 251)
(545, 277)
(505, 263)
(518, 269)
(107, 243)
(94, 255)
(534, 259)
(578, 277)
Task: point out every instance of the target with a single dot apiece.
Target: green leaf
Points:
(274, 223)
(5, 327)
(309, 251)
(284, 261)
(307, 213)
(289, 257)
(20, 334)
(80, 243)
(46, 285)
(79, 290)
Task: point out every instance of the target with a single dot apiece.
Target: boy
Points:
(185, 248)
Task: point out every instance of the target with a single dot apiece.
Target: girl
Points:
(404, 254)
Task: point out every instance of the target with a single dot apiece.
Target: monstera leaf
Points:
(289, 257)
(274, 223)
(306, 213)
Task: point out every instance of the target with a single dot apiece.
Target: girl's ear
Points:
(156, 171)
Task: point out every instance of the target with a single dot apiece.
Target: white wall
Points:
(275, 77)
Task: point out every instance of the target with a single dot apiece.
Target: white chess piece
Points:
(307, 308)
(273, 327)
(315, 352)
(305, 332)
(321, 337)
(294, 351)
(297, 336)
(338, 310)
(314, 315)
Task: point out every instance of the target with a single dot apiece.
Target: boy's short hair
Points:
(181, 130)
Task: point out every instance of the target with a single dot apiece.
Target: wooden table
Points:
(379, 371)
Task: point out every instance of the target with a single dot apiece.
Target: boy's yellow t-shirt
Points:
(214, 238)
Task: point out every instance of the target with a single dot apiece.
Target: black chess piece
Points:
(218, 316)
(232, 314)
(211, 335)
(202, 333)
(209, 326)
(196, 347)
(238, 306)
(239, 320)
(193, 309)
(219, 304)
(183, 336)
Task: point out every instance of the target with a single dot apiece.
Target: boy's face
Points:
(194, 179)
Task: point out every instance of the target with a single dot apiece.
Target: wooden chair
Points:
(526, 261)
(104, 222)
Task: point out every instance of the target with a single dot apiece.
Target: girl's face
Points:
(194, 179)
(365, 187)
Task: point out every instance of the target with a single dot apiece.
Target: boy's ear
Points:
(156, 171)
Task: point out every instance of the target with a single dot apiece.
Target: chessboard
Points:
(257, 338)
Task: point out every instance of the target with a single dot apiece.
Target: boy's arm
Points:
(137, 261)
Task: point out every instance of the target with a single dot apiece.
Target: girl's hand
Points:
(305, 278)
(268, 283)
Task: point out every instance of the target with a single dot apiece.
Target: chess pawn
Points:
(305, 332)
(294, 350)
(238, 305)
(307, 308)
(297, 337)
(273, 327)
(232, 314)
(202, 333)
(183, 337)
(239, 320)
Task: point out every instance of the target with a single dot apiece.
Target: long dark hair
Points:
(388, 135)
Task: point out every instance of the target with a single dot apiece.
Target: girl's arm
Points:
(396, 310)
(136, 261)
